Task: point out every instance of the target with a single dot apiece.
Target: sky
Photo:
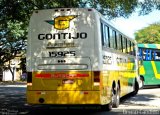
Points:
(134, 23)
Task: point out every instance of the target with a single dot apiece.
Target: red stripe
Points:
(44, 75)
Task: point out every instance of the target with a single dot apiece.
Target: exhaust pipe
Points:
(41, 100)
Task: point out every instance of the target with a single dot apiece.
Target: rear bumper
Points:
(63, 97)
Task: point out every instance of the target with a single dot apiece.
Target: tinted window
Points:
(149, 54)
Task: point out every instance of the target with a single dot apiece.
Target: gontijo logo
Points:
(61, 22)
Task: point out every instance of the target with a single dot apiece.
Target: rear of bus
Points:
(62, 62)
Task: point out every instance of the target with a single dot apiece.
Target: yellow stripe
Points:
(155, 70)
(145, 45)
(158, 46)
(142, 70)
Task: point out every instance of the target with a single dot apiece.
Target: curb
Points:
(13, 84)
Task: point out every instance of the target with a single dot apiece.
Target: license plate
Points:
(67, 81)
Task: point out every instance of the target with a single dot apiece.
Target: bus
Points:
(77, 57)
(150, 69)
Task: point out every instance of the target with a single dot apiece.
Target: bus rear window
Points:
(149, 54)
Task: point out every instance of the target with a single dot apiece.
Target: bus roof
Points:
(56, 10)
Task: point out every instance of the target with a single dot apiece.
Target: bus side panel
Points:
(151, 72)
(121, 70)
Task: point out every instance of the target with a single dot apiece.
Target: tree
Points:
(13, 31)
(12, 42)
(147, 6)
(150, 34)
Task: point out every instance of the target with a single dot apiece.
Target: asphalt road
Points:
(13, 102)
(148, 97)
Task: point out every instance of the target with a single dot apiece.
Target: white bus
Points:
(76, 57)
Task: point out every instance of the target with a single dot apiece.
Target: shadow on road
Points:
(13, 102)
(151, 87)
(140, 97)
(56, 110)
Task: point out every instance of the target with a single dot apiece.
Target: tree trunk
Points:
(12, 72)
(1, 73)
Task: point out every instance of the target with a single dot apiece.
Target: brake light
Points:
(43, 75)
(29, 77)
(96, 76)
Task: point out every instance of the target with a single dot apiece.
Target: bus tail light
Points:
(29, 78)
(97, 76)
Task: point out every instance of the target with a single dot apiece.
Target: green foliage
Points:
(117, 8)
(146, 6)
(150, 34)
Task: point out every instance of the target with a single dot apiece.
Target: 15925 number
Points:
(62, 53)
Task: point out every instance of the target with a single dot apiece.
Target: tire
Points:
(142, 81)
(116, 97)
(107, 107)
(142, 84)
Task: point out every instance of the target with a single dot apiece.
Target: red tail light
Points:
(29, 77)
(96, 76)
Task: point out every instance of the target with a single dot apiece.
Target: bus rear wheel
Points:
(136, 88)
(107, 107)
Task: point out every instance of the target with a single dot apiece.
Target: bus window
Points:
(114, 39)
(124, 45)
(109, 43)
(105, 35)
(111, 38)
(128, 47)
(134, 49)
(121, 42)
(148, 54)
(118, 42)
(102, 34)
(139, 53)
(131, 44)
(106, 29)
(157, 55)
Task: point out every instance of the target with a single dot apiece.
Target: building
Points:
(14, 71)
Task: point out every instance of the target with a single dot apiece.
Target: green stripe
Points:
(149, 75)
(152, 46)
(148, 45)
(141, 45)
(157, 63)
